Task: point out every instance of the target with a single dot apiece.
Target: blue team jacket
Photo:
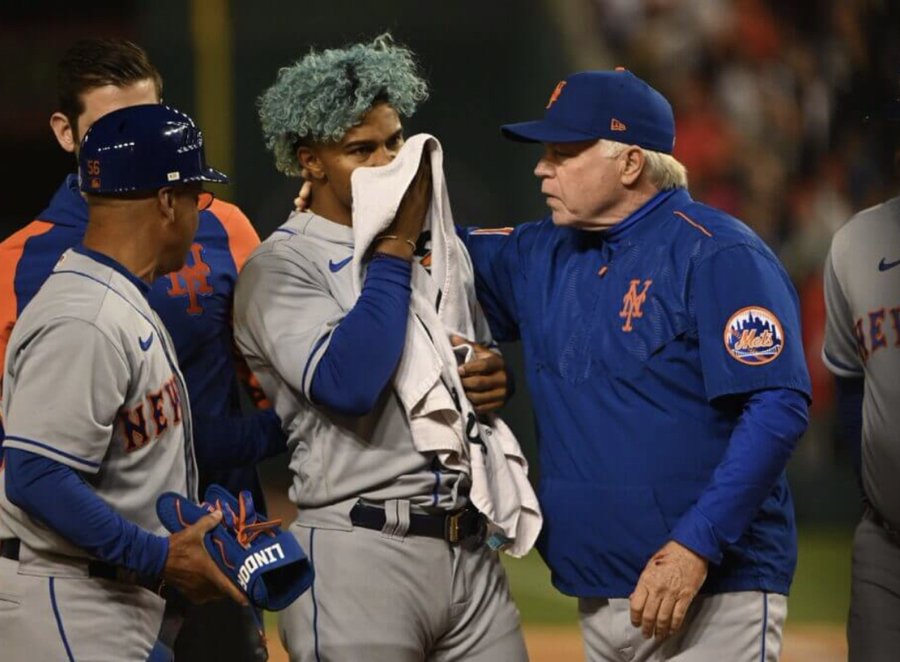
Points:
(194, 303)
(639, 343)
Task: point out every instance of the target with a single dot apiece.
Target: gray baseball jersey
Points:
(862, 339)
(293, 291)
(377, 595)
(91, 381)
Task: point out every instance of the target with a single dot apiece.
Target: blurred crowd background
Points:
(779, 107)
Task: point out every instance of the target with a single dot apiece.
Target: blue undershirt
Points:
(57, 496)
(849, 394)
(366, 345)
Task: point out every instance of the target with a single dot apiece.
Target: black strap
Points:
(9, 549)
(453, 527)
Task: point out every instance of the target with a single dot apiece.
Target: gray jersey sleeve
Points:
(63, 388)
(285, 314)
(839, 351)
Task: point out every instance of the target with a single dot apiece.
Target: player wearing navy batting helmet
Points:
(862, 349)
(95, 77)
(88, 448)
(663, 354)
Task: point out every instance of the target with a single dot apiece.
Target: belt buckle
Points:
(451, 526)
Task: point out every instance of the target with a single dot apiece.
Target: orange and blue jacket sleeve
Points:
(11, 251)
(242, 240)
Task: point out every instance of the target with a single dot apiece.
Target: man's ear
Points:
(309, 161)
(64, 132)
(165, 201)
(633, 165)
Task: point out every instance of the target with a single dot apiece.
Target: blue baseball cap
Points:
(142, 148)
(615, 105)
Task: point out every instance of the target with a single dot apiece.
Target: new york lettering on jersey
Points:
(877, 329)
(163, 408)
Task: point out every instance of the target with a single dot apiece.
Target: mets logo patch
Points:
(754, 336)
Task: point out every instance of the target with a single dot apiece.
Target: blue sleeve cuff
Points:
(154, 552)
(355, 369)
(698, 534)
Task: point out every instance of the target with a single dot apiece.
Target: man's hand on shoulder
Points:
(304, 195)
(483, 377)
(666, 588)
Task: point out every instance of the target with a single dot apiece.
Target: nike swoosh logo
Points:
(145, 344)
(884, 266)
(337, 266)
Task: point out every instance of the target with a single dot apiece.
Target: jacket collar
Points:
(68, 206)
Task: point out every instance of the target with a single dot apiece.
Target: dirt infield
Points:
(803, 643)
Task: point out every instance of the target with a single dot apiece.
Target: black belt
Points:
(453, 527)
(9, 549)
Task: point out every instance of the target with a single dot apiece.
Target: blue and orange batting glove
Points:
(266, 563)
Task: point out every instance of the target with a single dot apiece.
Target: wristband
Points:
(393, 236)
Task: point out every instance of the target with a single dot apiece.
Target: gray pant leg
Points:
(873, 627)
(485, 624)
(738, 627)
(384, 598)
(371, 598)
(27, 628)
(607, 631)
(63, 618)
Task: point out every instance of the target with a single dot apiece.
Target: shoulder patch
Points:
(754, 336)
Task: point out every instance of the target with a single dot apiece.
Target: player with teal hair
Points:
(322, 95)
(402, 568)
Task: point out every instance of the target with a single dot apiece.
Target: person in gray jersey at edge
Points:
(862, 349)
(402, 571)
(97, 420)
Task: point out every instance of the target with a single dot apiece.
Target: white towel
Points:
(427, 383)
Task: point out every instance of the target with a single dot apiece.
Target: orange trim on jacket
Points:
(685, 217)
(11, 251)
(242, 238)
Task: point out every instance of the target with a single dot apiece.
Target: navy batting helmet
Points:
(143, 148)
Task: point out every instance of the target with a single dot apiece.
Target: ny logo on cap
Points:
(616, 125)
(556, 92)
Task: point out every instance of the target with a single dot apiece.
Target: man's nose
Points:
(383, 156)
(542, 169)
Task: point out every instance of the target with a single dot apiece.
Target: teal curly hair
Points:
(321, 96)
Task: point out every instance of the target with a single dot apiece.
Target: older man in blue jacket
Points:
(663, 350)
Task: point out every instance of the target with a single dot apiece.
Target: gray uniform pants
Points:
(59, 617)
(873, 628)
(733, 627)
(400, 599)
